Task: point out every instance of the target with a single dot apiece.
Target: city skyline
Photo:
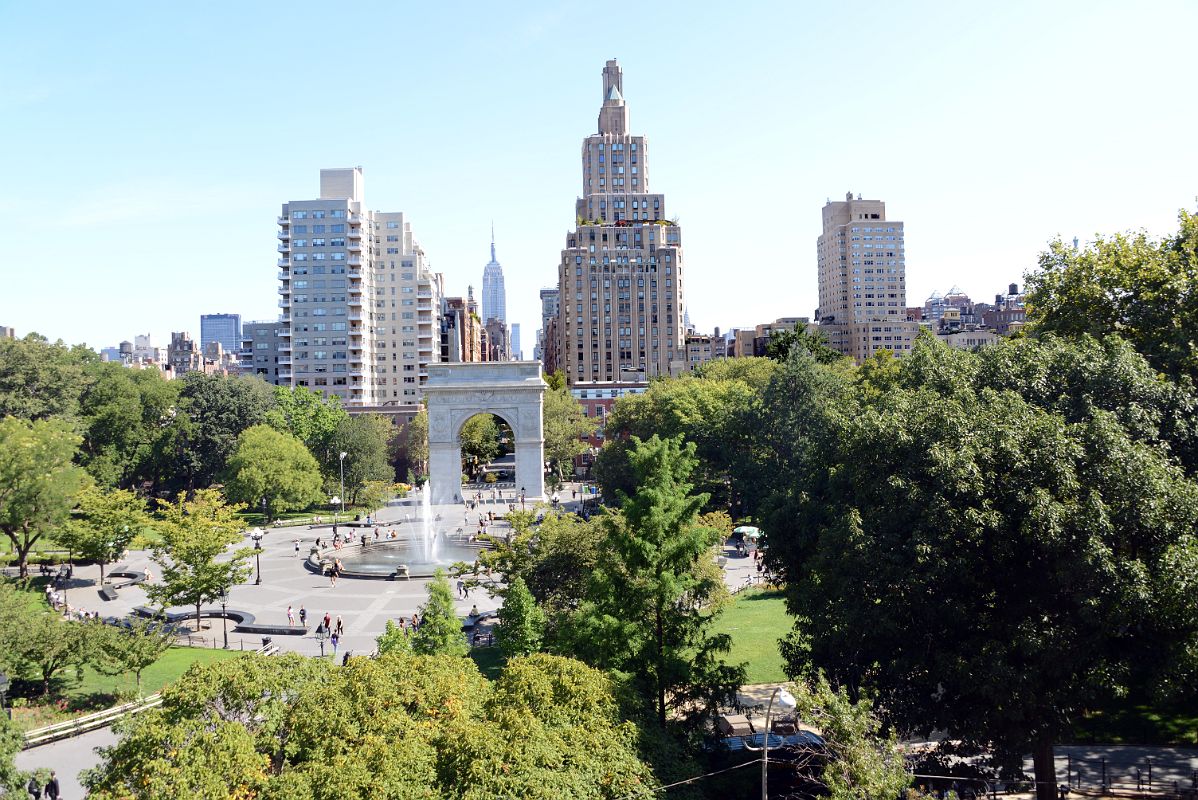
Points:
(1004, 114)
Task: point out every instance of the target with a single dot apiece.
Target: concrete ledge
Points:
(244, 621)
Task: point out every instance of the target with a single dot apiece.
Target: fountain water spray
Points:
(428, 535)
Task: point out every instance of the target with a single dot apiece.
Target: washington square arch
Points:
(512, 391)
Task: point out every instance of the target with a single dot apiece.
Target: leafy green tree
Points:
(103, 525)
(1143, 290)
(38, 481)
(814, 342)
(521, 625)
(710, 411)
(364, 438)
(566, 427)
(647, 609)
(864, 760)
(440, 630)
(40, 380)
(393, 639)
(121, 650)
(308, 416)
(399, 726)
(416, 444)
(1082, 530)
(218, 409)
(480, 439)
(47, 644)
(124, 414)
(195, 533)
(275, 466)
(12, 742)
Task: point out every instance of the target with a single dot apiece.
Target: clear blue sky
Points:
(147, 146)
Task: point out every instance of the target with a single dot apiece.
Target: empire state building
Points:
(620, 277)
(494, 295)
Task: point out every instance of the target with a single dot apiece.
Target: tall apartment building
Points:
(494, 294)
(620, 278)
(462, 335)
(7, 332)
(183, 355)
(516, 354)
(358, 297)
(863, 279)
(549, 311)
(223, 328)
(499, 346)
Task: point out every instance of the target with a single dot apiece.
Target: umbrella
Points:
(748, 530)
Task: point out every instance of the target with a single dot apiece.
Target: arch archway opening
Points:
(488, 447)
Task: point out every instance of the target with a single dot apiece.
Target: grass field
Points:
(95, 691)
(756, 620)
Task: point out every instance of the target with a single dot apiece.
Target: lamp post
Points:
(333, 501)
(321, 635)
(264, 519)
(224, 617)
(343, 455)
(521, 498)
(257, 537)
(786, 700)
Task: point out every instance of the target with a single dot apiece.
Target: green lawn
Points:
(95, 691)
(488, 660)
(1134, 721)
(756, 620)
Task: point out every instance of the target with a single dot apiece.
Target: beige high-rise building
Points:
(620, 280)
(863, 280)
(358, 297)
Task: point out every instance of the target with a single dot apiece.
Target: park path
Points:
(68, 757)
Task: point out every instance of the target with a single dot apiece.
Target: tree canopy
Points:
(401, 726)
(273, 466)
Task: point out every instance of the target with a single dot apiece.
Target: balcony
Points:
(354, 260)
(285, 317)
(355, 272)
(283, 221)
(355, 218)
(285, 302)
(284, 360)
(284, 348)
(284, 275)
(355, 315)
(285, 331)
(355, 233)
(284, 289)
(284, 247)
(285, 262)
(354, 246)
(355, 301)
(285, 234)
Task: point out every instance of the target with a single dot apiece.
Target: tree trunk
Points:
(197, 619)
(1045, 768)
(102, 563)
(661, 686)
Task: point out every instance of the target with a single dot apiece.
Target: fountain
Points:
(421, 548)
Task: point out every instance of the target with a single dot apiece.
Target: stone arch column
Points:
(512, 390)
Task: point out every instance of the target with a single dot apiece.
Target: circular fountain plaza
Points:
(431, 539)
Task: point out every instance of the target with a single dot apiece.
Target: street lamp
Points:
(264, 519)
(785, 700)
(343, 455)
(333, 501)
(224, 617)
(321, 635)
(256, 535)
(521, 498)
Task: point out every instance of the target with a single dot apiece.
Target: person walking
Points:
(303, 616)
(333, 575)
(334, 640)
(290, 616)
(34, 788)
(297, 548)
(461, 589)
(52, 788)
(327, 620)
(340, 629)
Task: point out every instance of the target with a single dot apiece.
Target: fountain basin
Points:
(380, 560)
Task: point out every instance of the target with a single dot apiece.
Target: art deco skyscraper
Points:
(620, 278)
(494, 296)
(863, 280)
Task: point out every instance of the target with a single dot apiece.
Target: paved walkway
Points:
(68, 757)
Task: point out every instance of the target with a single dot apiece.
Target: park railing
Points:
(101, 719)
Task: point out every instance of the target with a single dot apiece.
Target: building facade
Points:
(549, 311)
(516, 353)
(357, 296)
(863, 279)
(223, 328)
(462, 335)
(620, 280)
(499, 348)
(265, 348)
